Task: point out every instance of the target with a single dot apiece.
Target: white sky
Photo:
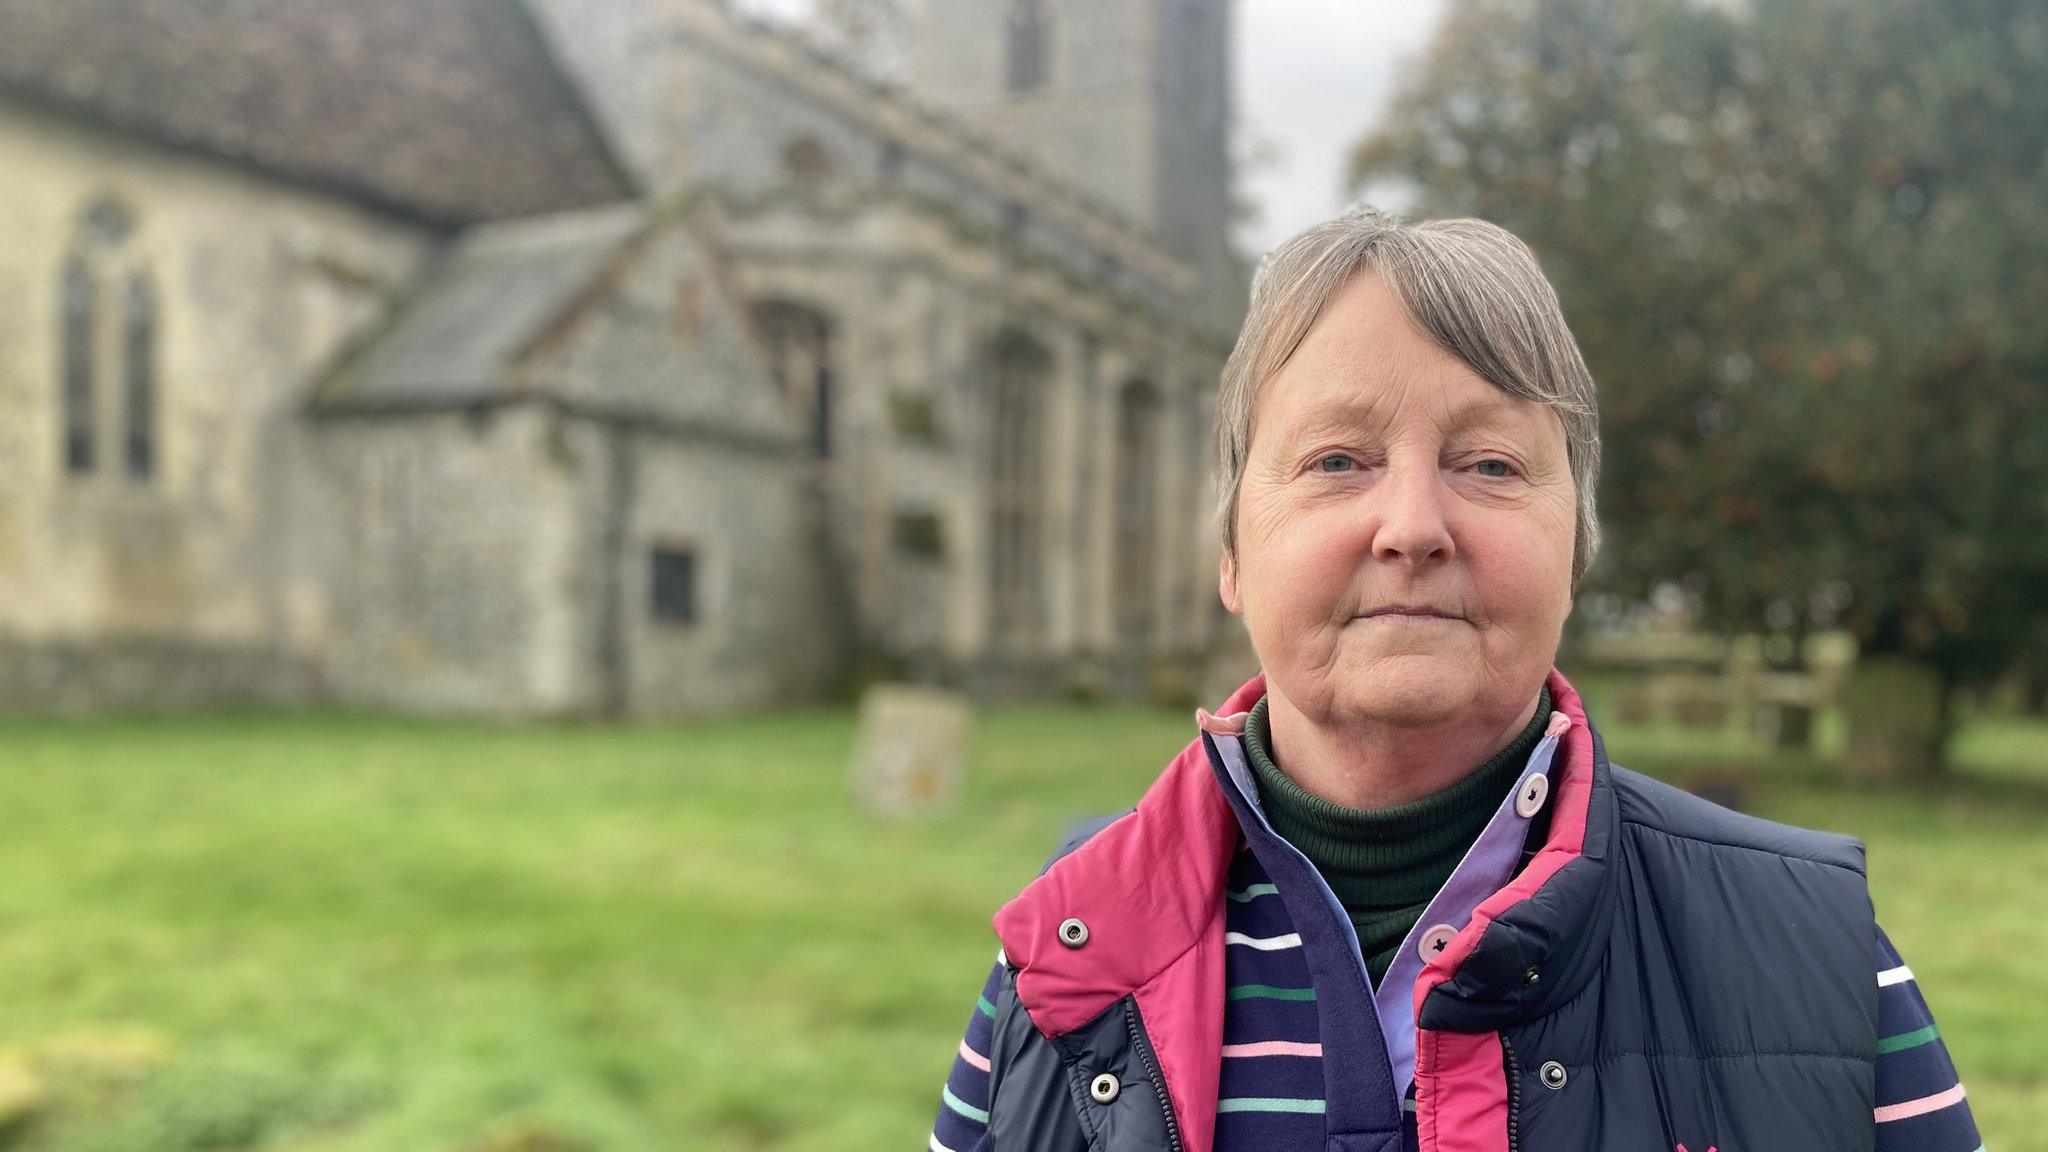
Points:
(1311, 76)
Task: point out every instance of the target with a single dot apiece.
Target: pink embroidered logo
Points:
(1710, 1148)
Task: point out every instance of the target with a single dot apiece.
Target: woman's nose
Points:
(1412, 521)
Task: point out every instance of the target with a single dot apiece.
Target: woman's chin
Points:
(1418, 687)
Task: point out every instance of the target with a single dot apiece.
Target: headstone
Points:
(911, 748)
(1893, 707)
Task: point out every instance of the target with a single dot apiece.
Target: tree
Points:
(1804, 246)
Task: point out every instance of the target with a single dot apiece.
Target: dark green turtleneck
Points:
(1386, 864)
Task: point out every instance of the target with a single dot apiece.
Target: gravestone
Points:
(1893, 706)
(912, 744)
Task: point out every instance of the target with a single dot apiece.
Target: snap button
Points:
(1073, 933)
(1552, 1074)
(1529, 800)
(1104, 1089)
(1531, 977)
(1435, 940)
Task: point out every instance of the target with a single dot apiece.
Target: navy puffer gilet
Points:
(1691, 979)
(1701, 973)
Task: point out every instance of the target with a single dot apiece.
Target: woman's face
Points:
(1385, 474)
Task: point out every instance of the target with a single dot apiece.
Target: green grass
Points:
(359, 935)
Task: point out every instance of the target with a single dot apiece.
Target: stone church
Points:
(602, 357)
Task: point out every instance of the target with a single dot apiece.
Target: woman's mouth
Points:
(1410, 613)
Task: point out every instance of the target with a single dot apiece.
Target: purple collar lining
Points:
(1486, 868)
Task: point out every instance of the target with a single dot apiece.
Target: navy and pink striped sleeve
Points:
(962, 1123)
(1920, 1104)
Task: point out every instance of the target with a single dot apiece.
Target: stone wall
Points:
(81, 677)
(501, 563)
(258, 284)
(765, 631)
(662, 336)
(742, 95)
(456, 563)
(688, 446)
(1135, 109)
(1091, 123)
(1192, 179)
(918, 308)
(498, 558)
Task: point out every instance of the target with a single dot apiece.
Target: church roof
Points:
(494, 322)
(449, 110)
(500, 288)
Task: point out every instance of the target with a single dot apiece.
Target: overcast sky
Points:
(1311, 76)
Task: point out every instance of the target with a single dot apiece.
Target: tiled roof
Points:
(451, 110)
(501, 285)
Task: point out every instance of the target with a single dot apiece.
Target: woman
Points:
(1393, 894)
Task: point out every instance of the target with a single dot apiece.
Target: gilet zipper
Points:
(1514, 1096)
(1144, 1050)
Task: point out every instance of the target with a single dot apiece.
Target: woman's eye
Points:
(1495, 467)
(1335, 462)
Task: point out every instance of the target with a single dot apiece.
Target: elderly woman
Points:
(1393, 895)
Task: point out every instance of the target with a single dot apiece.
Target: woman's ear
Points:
(1226, 584)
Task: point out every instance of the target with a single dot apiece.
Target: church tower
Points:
(1128, 99)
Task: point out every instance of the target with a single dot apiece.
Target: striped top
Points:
(1271, 1094)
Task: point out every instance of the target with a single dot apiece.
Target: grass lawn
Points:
(366, 935)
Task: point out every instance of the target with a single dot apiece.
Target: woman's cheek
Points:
(1314, 568)
(1326, 533)
(1285, 593)
(1523, 580)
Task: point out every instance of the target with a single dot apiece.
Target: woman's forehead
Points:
(1313, 405)
(1363, 350)
(1364, 364)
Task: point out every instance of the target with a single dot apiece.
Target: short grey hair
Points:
(1472, 287)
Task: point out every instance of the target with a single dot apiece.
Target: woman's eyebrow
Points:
(1348, 412)
(1501, 411)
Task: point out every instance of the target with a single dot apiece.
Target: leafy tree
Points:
(1804, 246)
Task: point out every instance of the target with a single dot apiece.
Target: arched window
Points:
(1022, 373)
(138, 377)
(109, 343)
(805, 162)
(1137, 511)
(1028, 55)
(798, 343)
(81, 308)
